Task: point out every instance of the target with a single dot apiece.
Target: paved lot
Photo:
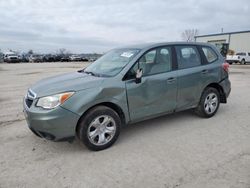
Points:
(180, 150)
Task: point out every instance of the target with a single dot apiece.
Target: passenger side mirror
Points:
(138, 76)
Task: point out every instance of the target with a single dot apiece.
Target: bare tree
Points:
(62, 51)
(30, 52)
(189, 35)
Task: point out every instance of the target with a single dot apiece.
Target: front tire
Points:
(209, 103)
(99, 128)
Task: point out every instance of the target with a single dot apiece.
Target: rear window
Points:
(188, 56)
(210, 54)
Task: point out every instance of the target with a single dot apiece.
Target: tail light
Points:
(225, 67)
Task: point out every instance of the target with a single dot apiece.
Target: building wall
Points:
(240, 42)
(213, 38)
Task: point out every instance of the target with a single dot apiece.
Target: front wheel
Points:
(99, 128)
(209, 103)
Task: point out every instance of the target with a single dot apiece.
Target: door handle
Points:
(171, 80)
(204, 71)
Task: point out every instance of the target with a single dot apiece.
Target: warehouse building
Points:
(236, 41)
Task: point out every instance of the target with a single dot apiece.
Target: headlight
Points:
(53, 101)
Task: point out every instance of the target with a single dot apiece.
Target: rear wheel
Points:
(99, 128)
(209, 103)
(243, 62)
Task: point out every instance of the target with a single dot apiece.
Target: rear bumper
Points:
(57, 125)
(226, 85)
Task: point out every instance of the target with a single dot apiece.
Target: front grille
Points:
(28, 102)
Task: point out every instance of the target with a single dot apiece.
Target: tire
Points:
(99, 128)
(209, 103)
(243, 62)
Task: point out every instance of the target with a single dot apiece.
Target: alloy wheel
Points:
(211, 103)
(101, 130)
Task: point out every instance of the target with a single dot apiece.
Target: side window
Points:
(248, 54)
(149, 57)
(156, 61)
(188, 56)
(209, 54)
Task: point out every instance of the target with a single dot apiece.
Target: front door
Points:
(156, 94)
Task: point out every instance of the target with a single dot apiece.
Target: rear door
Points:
(189, 76)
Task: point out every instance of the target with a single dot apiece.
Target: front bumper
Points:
(57, 124)
(13, 61)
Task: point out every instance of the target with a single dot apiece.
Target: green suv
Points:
(124, 86)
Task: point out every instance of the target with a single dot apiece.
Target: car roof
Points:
(153, 45)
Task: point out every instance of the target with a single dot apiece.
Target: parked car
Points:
(58, 57)
(24, 58)
(92, 59)
(35, 58)
(1, 57)
(65, 58)
(242, 57)
(75, 58)
(124, 86)
(11, 58)
(84, 59)
(48, 58)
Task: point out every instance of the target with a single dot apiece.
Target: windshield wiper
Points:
(91, 73)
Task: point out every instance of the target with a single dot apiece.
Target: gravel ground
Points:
(179, 150)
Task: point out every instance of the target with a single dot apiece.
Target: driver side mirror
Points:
(138, 76)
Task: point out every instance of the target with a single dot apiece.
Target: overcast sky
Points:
(98, 25)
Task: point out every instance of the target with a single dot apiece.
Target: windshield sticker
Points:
(127, 54)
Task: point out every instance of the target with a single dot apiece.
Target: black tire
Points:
(85, 125)
(201, 108)
(243, 62)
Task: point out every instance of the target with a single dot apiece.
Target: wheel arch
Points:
(223, 98)
(111, 105)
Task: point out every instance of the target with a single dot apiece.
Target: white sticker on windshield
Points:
(127, 54)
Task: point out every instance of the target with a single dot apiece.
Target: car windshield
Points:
(112, 62)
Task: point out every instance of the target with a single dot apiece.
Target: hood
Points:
(66, 82)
